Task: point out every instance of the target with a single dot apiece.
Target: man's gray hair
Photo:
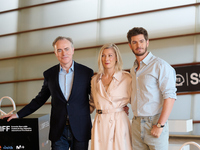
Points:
(62, 38)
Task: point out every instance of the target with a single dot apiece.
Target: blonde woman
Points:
(110, 92)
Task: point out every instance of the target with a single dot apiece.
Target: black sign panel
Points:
(29, 133)
(19, 134)
(188, 78)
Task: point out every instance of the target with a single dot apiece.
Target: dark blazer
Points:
(77, 106)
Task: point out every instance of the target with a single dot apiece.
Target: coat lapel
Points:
(57, 81)
(100, 88)
(113, 85)
(115, 82)
(75, 80)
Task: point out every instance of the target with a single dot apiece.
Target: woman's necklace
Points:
(106, 85)
(106, 82)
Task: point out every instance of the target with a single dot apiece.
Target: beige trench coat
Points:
(111, 131)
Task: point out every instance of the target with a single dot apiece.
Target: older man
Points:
(68, 84)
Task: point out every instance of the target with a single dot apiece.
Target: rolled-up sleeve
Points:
(167, 81)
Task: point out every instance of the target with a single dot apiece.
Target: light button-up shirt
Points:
(151, 84)
(66, 80)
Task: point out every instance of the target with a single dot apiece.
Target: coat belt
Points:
(106, 111)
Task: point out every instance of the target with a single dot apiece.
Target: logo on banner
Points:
(195, 78)
(188, 78)
(4, 128)
(20, 147)
(44, 125)
(7, 147)
(179, 80)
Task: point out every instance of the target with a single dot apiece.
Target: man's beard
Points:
(141, 53)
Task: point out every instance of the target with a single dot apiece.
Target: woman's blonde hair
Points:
(118, 64)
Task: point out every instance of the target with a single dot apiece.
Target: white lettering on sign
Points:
(195, 78)
(4, 128)
(20, 147)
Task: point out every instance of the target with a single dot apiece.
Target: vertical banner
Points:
(188, 78)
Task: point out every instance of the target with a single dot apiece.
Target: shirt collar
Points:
(70, 69)
(117, 76)
(146, 60)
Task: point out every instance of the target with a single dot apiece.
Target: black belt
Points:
(67, 122)
(107, 111)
